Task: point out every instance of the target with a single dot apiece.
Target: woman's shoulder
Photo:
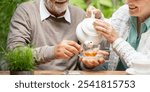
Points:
(120, 20)
(122, 13)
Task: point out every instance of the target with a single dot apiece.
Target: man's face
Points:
(139, 8)
(57, 6)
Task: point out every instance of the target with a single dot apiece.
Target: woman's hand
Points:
(106, 30)
(93, 62)
(97, 13)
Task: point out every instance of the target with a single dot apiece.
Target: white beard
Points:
(57, 8)
(61, 9)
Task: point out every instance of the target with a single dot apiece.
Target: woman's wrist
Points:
(116, 42)
(113, 40)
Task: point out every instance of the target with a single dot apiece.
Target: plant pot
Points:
(21, 72)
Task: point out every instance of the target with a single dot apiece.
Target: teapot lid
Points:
(88, 28)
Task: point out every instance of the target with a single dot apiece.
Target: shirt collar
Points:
(44, 13)
(147, 22)
(133, 21)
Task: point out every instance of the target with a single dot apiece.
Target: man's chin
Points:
(60, 13)
(61, 10)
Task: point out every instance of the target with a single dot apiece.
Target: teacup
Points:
(141, 66)
(85, 31)
(90, 56)
(90, 53)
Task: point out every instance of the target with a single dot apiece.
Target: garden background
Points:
(7, 7)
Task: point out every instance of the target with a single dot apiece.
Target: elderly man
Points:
(49, 26)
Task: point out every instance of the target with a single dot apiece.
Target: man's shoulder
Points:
(77, 14)
(28, 5)
(76, 9)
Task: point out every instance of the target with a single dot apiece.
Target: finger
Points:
(97, 13)
(103, 52)
(74, 44)
(104, 22)
(87, 63)
(88, 14)
(101, 60)
(106, 35)
(68, 53)
(101, 29)
(91, 8)
(101, 23)
(65, 56)
(95, 63)
(72, 49)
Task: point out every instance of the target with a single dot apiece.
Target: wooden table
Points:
(4, 73)
(48, 72)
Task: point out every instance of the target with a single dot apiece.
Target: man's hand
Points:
(90, 62)
(97, 13)
(66, 49)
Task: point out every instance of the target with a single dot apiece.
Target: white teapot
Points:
(86, 32)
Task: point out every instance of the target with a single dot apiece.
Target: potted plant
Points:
(20, 61)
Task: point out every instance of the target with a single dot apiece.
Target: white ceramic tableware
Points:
(141, 66)
(85, 31)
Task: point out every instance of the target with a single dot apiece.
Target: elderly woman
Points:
(130, 34)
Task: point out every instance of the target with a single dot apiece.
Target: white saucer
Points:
(131, 71)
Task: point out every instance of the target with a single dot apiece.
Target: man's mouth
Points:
(61, 2)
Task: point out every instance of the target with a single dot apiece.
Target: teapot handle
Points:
(92, 14)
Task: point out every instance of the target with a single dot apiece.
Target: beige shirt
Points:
(28, 26)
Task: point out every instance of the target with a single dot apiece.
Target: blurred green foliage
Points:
(79, 3)
(106, 6)
(7, 7)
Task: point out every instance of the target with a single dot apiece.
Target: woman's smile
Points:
(132, 7)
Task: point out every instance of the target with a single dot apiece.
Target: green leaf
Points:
(79, 3)
(107, 3)
(20, 59)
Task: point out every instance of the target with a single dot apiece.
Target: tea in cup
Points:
(89, 50)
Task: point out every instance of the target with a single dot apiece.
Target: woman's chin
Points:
(133, 14)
